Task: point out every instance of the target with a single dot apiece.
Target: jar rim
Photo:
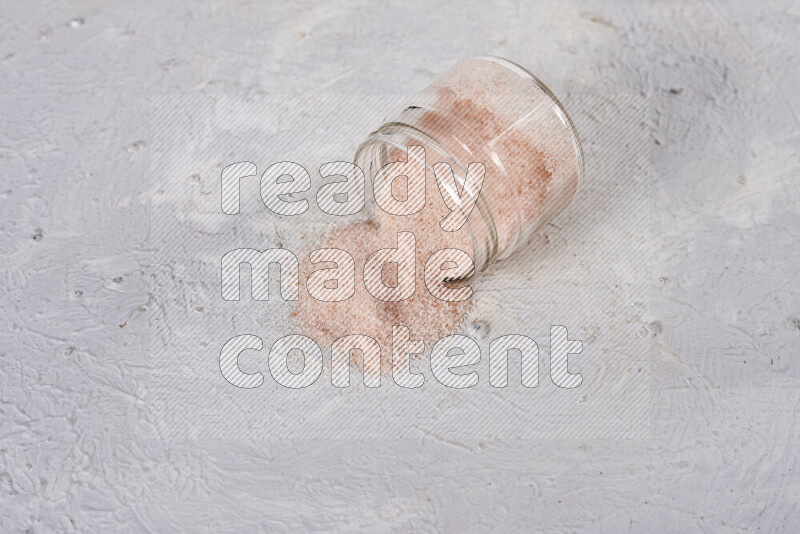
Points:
(382, 137)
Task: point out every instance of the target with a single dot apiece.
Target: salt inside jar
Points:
(490, 110)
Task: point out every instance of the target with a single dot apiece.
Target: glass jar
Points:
(492, 111)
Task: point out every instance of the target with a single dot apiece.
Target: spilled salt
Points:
(479, 111)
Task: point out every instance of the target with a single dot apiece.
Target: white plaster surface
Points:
(77, 448)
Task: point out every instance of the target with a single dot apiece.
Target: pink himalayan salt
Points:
(428, 318)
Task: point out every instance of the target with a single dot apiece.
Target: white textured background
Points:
(76, 452)
(587, 271)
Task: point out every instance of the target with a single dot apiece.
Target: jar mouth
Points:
(388, 135)
(559, 107)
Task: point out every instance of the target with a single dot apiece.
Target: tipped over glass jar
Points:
(492, 111)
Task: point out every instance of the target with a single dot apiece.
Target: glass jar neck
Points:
(404, 131)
